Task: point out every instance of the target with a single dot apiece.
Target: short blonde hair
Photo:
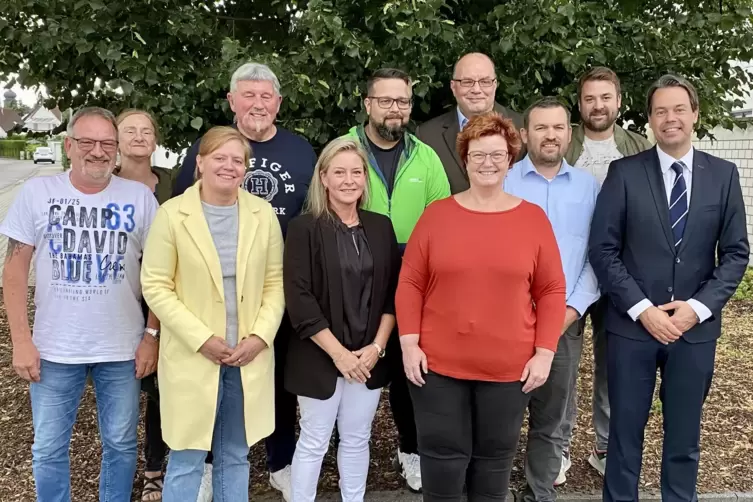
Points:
(217, 137)
(317, 201)
(135, 111)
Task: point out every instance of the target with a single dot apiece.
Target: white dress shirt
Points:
(668, 175)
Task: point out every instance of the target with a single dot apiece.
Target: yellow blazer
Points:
(182, 283)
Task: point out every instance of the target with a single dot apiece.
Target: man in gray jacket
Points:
(595, 143)
(474, 85)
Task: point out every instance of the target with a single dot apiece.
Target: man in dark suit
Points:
(669, 245)
(474, 84)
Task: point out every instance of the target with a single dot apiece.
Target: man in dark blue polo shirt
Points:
(279, 172)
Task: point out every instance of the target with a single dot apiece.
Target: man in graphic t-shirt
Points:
(86, 230)
(595, 143)
(279, 172)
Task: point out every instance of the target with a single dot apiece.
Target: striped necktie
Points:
(678, 203)
(463, 123)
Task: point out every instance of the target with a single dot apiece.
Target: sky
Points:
(27, 96)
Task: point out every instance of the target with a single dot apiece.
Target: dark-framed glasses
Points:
(484, 83)
(86, 144)
(386, 103)
(498, 157)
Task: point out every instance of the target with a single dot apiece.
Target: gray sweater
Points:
(223, 225)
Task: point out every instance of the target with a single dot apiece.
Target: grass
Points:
(745, 289)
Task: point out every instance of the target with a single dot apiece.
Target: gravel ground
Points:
(727, 444)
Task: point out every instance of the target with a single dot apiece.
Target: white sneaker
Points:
(564, 467)
(598, 460)
(408, 466)
(205, 489)
(280, 481)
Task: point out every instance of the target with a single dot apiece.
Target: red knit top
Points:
(482, 290)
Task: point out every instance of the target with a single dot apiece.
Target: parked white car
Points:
(44, 154)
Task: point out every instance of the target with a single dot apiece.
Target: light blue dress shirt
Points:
(462, 119)
(568, 201)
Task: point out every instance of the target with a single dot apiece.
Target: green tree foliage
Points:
(174, 57)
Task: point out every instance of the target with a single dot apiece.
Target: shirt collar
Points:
(666, 160)
(461, 118)
(527, 167)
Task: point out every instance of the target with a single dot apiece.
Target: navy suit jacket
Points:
(631, 247)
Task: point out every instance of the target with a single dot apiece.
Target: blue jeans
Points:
(230, 473)
(54, 404)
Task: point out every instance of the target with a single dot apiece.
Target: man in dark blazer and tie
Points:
(474, 85)
(669, 246)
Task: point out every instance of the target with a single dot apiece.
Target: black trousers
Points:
(400, 398)
(687, 370)
(468, 434)
(155, 449)
(281, 444)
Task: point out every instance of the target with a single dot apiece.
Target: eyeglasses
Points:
(86, 144)
(484, 83)
(386, 103)
(498, 157)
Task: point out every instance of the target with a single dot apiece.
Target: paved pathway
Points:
(12, 175)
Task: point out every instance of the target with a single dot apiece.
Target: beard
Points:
(98, 172)
(540, 157)
(591, 124)
(389, 133)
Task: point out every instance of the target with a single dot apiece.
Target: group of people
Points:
(456, 266)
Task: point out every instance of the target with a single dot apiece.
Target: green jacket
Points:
(420, 180)
(628, 143)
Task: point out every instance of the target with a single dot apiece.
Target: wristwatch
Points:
(380, 351)
(153, 332)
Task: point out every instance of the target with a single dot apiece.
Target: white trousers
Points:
(353, 406)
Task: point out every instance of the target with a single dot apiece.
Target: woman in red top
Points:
(480, 307)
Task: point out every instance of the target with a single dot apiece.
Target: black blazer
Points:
(441, 133)
(313, 295)
(631, 247)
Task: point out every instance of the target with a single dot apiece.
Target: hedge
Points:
(12, 147)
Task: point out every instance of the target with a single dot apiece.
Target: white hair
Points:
(254, 71)
(91, 111)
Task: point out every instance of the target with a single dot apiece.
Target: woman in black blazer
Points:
(340, 272)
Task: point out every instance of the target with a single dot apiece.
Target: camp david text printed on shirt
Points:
(87, 245)
(87, 262)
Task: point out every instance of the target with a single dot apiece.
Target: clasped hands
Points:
(216, 350)
(665, 328)
(357, 365)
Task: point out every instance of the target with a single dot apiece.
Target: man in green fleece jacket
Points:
(595, 143)
(405, 176)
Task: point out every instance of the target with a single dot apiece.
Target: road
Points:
(12, 175)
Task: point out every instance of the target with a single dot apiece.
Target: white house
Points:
(40, 119)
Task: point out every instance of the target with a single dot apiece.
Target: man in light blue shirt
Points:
(568, 197)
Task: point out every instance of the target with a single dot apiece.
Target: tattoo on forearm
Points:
(14, 249)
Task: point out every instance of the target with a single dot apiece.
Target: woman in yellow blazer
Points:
(212, 273)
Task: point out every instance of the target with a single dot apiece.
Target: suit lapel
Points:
(656, 184)
(450, 136)
(700, 180)
(197, 227)
(247, 225)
